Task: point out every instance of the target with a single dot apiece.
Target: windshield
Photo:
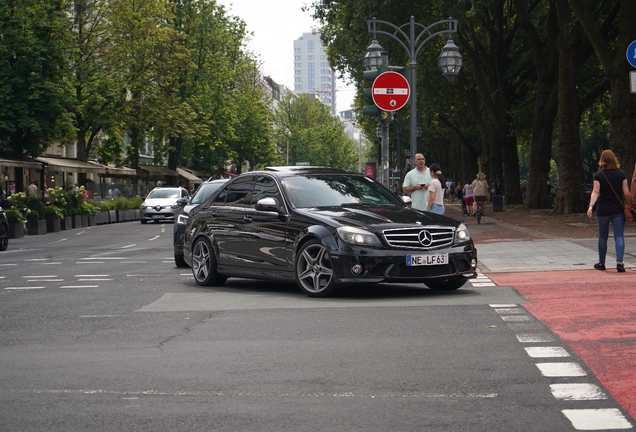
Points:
(164, 193)
(335, 190)
(204, 192)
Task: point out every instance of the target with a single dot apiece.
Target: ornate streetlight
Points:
(449, 62)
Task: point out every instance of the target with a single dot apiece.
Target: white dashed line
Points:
(45, 280)
(80, 286)
(516, 318)
(36, 259)
(90, 262)
(510, 305)
(103, 258)
(92, 280)
(129, 246)
(564, 369)
(597, 419)
(7, 265)
(545, 352)
(535, 338)
(154, 238)
(79, 276)
(25, 288)
(577, 392)
(38, 277)
(510, 311)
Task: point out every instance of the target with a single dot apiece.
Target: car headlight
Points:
(358, 236)
(182, 219)
(462, 233)
(143, 207)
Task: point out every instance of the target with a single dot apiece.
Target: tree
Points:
(34, 80)
(305, 126)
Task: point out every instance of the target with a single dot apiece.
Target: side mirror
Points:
(267, 204)
(182, 202)
(407, 200)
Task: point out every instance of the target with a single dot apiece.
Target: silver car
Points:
(161, 204)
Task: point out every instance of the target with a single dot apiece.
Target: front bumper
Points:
(166, 214)
(384, 265)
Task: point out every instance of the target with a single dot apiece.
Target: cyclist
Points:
(480, 191)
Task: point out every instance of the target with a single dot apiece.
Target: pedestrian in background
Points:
(609, 183)
(416, 183)
(435, 200)
(468, 198)
(634, 188)
(32, 189)
(480, 191)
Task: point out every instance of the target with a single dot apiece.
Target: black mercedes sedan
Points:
(323, 228)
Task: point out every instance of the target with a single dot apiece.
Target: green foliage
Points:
(35, 203)
(14, 216)
(53, 212)
(18, 200)
(32, 215)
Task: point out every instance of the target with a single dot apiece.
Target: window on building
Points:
(298, 50)
(310, 46)
(298, 57)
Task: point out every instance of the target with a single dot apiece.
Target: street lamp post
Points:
(449, 62)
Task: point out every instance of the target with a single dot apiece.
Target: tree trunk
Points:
(134, 147)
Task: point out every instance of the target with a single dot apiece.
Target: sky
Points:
(275, 26)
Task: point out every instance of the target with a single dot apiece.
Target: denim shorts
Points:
(438, 209)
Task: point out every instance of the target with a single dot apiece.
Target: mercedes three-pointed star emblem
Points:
(425, 238)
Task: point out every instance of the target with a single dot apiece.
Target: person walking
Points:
(634, 188)
(435, 200)
(416, 183)
(468, 198)
(608, 183)
(32, 189)
(480, 191)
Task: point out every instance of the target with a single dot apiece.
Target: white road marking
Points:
(91, 279)
(135, 262)
(564, 369)
(510, 311)
(503, 305)
(25, 288)
(45, 280)
(221, 393)
(535, 337)
(7, 265)
(97, 316)
(2, 277)
(163, 230)
(185, 274)
(35, 277)
(516, 318)
(104, 258)
(129, 246)
(154, 238)
(539, 352)
(36, 259)
(80, 286)
(51, 263)
(597, 419)
(483, 284)
(577, 391)
(90, 262)
(60, 240)
(91, 276)
(80, 233)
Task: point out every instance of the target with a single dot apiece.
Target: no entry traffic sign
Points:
(390, 91)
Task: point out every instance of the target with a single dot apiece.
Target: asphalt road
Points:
(100, 331)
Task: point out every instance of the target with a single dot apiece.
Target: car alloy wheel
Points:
(314, 271)
(204, 264)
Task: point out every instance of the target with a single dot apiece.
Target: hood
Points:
(378, 216)
(159, 201)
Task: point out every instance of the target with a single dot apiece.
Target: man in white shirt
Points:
(416, 183)
(32, 189)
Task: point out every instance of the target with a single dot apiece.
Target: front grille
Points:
(405, 271)
(433, 237)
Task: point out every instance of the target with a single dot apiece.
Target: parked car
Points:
(4, 230)
(323, 228)
(161, 204)
(201, 195)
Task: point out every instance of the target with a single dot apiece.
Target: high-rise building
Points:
(312, 73)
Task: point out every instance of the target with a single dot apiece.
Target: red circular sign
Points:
(390, 91)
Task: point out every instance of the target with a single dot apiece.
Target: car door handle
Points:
(247, 219)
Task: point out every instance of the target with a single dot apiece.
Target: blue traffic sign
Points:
(631, 54)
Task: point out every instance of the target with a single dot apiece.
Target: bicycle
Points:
(479, 199)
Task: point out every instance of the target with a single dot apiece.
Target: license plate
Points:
(157, 216)
(423, 260)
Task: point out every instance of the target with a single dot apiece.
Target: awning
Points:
(72, 165)
(190, 177)
(111, 171)
(20, 163)
(155, 170)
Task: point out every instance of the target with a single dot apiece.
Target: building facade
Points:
(312, 73)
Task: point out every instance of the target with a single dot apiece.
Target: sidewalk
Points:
(504, 247)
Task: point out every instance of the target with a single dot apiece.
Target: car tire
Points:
(204, 264)
(314, 270)
(143, 221)
(4, 237)
(179, 261)
(447, 285)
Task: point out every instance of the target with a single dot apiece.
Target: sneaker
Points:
(620, 267)
(600, 266)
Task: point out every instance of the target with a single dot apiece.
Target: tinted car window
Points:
(265, 187)
(164, 193)
(236, 194)
(204, 192)
(335, 190)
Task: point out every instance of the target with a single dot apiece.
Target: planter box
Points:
(67, 223)
(137, 214)
(77, 221)
(53, 225)
(84, 221)
(37, 227)
(16, 230)
(112, 216)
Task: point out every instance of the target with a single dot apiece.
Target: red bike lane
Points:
(594, 313)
